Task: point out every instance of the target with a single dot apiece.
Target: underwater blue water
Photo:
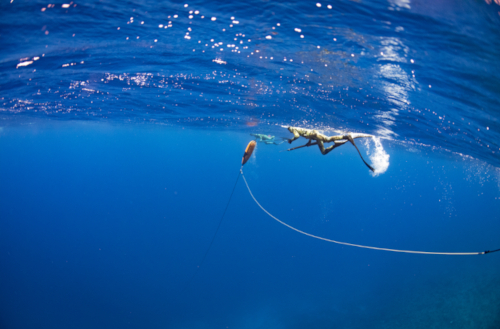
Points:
(122, 126)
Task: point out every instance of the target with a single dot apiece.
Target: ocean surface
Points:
(123, 124)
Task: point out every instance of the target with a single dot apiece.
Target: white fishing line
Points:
(359, 245)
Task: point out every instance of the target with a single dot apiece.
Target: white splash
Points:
(378, 157)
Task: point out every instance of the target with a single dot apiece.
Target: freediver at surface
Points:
(319, 139)
(267, 139)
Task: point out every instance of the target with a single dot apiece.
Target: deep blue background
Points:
(102, 226)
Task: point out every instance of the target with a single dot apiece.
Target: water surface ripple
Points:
(412, 71)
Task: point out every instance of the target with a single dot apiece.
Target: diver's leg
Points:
(322, 148)
(327, 150)
(333, 138)
(339, 137)
(350, 139)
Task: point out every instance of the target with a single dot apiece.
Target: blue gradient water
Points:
(122, 127)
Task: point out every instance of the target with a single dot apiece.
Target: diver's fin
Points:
(350, 139)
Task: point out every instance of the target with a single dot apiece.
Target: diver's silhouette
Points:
(319, 139)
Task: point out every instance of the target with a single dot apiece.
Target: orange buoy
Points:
(248, 152)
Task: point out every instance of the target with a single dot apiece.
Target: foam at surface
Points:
(378, 157)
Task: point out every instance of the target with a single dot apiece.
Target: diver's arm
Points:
(295, 133)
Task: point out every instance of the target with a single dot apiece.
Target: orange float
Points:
(248, 152)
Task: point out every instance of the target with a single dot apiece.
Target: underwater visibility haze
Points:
(122, 130)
